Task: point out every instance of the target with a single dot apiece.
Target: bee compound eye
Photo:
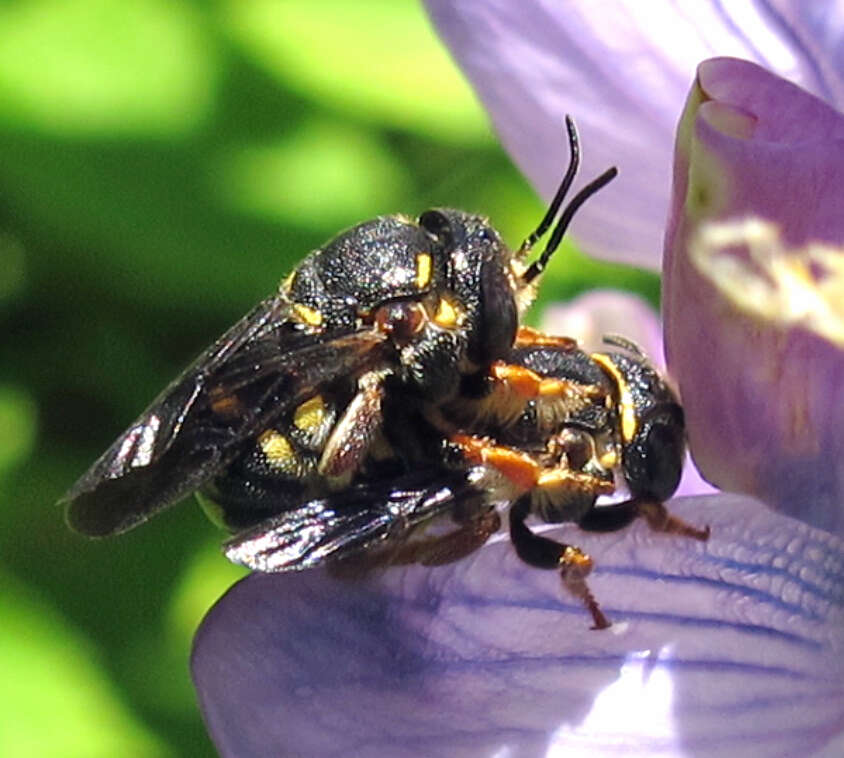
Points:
(401, 320)
(653, 462)
(437, 225)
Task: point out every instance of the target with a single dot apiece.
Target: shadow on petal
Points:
(732, 647)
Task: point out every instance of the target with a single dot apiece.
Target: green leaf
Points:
(104, 67)
(55, 700)
(377, 60)
(206, 578)
(318, 175)
(12, 267)
(18, 423)
(156, 663)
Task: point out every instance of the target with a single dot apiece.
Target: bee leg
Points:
(450, 547)
(610, 518)
(573, 564)
(350, 439)
(502, 392)
(428, 551)
(530, 337)
(660, 520)
(519, 468)
(576, 488)
(527, 384)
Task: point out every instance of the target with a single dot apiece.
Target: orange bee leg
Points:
(518, 467)
(529, 337)
(528, 384)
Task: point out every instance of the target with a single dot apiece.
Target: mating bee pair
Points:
(388, 385)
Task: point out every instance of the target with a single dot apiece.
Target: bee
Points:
(546, 431)
(366, 397)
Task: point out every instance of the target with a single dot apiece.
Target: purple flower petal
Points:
(753, 313)
(735, 647)
(593, 315)
(622, 69)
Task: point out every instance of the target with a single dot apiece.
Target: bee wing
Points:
(348, 522)
(258, 369)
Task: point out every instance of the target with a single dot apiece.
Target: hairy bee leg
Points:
(529, 337)
(349, 441)
(528, 384)
(518, 467)
(561, 482)
(660, 520)
(574, 565)
(524, 472)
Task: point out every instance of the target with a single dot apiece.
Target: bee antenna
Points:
(625, 343)
(554, 208)
(538, 266)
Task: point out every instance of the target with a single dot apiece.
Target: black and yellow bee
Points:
(388, 383)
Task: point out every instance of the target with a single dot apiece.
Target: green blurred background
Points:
(162, 166)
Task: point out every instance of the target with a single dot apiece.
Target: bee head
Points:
(651, 425)
(476, 271)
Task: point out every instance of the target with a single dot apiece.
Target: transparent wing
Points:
(259, 368)
(351, 521)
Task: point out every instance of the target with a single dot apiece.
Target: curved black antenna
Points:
(538, 266)
(554, 208)
(625, 343)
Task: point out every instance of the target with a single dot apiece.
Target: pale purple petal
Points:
(733, 647)
(692, 483)
(592, 315)
(622, 69)
(755, 319)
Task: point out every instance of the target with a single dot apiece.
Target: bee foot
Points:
(575, 566)
(660, 520)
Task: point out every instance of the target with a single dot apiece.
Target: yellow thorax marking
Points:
(447, 315)
(277, 448)
(626, 405)
(287, 284)
(308, 315)
(423, 270)
(309, 414)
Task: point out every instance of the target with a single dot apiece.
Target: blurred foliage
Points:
(162, 166)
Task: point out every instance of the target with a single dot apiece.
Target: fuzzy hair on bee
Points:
(388, 383)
